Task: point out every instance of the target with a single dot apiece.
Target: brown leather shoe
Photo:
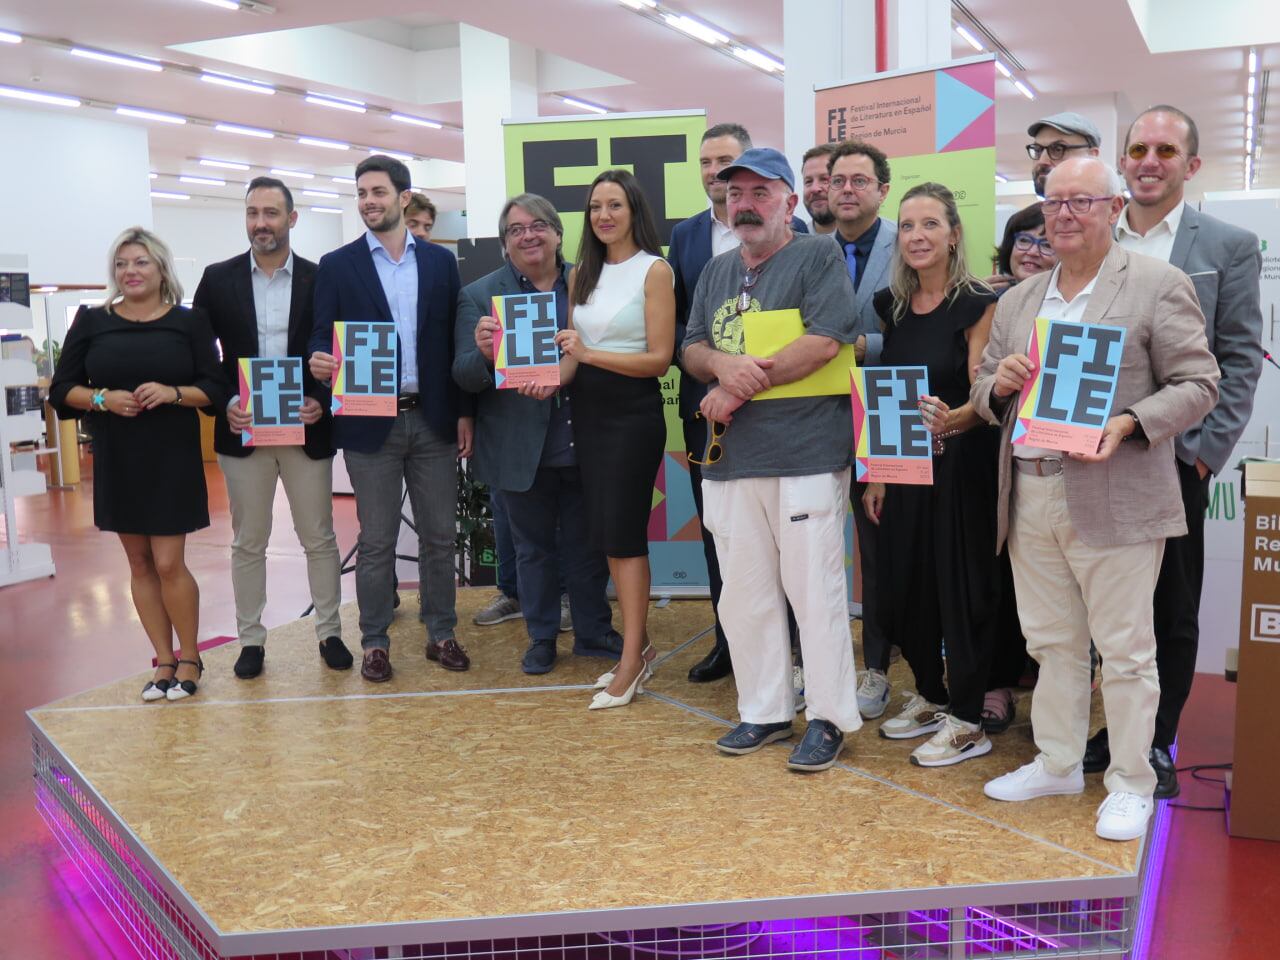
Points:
(376, 666)
(449, 654)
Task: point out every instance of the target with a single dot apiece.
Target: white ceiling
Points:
(1088, 51)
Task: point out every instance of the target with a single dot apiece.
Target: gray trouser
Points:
(413, 457)
(251, 488)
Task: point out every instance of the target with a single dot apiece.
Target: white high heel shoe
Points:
(603, 700)
(605, 679)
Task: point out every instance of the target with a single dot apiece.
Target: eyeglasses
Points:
(1025, 241)
(1050, 208)
(858, 183)
(1056, 150)
(518, 230)
(749, 280)
(1165, 151)
(715, 449)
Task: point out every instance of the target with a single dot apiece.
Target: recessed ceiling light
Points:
(584, 105)
(402, 157)
(695, 28)
(224, 164)
(252, 86)
(1024, 90)
(321, 193)
(244, 131)
(639, 4)
(336, 103)
(349, 181)
(169, 195)
(154, 176)
(417, 121)
(325, 209)
(35, 96)
(758, 59)
(204, 181)
(118, 59)
(7, 37)
(150, 115)
(224, 4)
(969, 38)
(327, 144)
(279, 172)
(1004, 71)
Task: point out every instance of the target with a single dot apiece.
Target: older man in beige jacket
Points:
(1086, 531)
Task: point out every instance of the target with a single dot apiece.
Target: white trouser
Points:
(1068, 592)
(251, 488)
(780, 538)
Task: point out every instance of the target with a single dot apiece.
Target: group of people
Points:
(1011, 551)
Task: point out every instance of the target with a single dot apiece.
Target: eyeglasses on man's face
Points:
(1081, 205)
(857, 182)
(1165, 151)
(536, 227)
(1026, 241)
(715, 449)
(1056, 150)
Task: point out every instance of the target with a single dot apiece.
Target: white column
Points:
(919, 33)
(499, 81)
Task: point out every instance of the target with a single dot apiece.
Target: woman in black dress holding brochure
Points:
(137, 368)
(938, 569)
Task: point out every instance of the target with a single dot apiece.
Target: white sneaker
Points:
(566, 618)
(873, 694)
(955, 741)
(1033, 780)
(797, 685)
(917, 718)
(1124, 816)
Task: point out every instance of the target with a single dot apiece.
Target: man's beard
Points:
(824, 219)
(266, 244)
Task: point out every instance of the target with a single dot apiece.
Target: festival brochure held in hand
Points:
(765, 332)
(1066, 403)
(367, 381)
(891, 444)
(271, 394)
(525, 351)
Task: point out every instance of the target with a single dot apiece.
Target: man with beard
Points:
(1057, 138)
(815, 177)
(259, 305)
(387, 275)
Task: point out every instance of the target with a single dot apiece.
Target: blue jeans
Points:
(508, 582)
(554, 501)
(415, 457)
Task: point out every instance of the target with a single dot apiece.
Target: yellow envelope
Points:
(765, 332)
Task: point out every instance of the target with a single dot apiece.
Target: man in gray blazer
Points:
(1224, 263)
(1086, 532)
(524, 446)
(859, 182)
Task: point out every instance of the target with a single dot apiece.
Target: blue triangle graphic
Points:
(956, 106)
(680, 506)
(1019, 430)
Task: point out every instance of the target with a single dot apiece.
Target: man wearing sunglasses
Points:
(1057, 138)
(1224, 263)
(1086, 531)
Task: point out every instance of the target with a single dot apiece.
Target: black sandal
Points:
(181, 689)
(998, 710)
(158, 689)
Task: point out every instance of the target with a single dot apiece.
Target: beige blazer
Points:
(1168, 378)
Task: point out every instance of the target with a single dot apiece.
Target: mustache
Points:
(747, 218)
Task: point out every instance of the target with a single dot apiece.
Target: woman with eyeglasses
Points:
(622, 321)
(1024, 251)
(937, 565)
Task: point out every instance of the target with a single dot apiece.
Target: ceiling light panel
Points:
(120, 60)
(203, 181)
(223, 164)
(417, 121)
(7, 37)
(326, 144)
(36, 96)
(244, 131)
(279, 172)
(169, 195)
(238, 83)
(155, 115)
(695, 28)
(336, 103)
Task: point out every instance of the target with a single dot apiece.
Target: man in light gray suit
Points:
(859, 182)
(1224, 263)
(1086, 532)
(524, 446)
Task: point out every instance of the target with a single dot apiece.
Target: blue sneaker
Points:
(609, 646)
(750, 737)
(819, 749)
(540, 657)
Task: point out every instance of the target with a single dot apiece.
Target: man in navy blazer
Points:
(260, 305)
(693, 243)
(387, 275)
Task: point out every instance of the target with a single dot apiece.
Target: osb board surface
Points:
(278, 815)
(293, 667)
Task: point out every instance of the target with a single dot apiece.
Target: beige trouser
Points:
(780, 539)
(1068, 592)
(251, 488)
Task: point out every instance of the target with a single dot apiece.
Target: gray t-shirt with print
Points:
(796, 436)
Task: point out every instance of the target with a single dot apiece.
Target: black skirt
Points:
(620, 436)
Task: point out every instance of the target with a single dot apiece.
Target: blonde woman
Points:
(137, 368)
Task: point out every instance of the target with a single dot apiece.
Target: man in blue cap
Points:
(776, 474)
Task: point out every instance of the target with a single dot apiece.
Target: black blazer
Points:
(348, 288)
(225, 293)
(688, 252)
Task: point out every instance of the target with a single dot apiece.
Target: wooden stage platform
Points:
(308, 810)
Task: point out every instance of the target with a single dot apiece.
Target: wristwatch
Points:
(1138, 432)
(177, 395)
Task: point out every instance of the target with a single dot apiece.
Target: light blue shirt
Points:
(399, 279)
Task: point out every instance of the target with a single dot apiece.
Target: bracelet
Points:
(99, 400)
(948, 433)
(177, 398)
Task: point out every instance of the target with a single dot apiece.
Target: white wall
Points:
(69, 183)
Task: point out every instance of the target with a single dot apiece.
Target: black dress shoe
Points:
(335, 654)
(249, 663)
(1097, 752)
(713, 666)
(1166, 774)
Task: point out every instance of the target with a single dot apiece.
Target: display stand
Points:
(19, 561)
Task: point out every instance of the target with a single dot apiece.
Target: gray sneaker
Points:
(498, 610)
(873, 694)
(566, 618)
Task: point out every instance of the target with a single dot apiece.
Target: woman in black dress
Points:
(139, 366)
(938, 566)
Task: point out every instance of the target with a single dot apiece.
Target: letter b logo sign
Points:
(1266, 623)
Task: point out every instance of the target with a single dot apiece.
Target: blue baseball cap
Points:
(765, 161)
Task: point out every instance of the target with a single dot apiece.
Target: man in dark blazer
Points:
(1224, 263)
(259, 305)
(693, 243)
(524, 446)
(387, 275)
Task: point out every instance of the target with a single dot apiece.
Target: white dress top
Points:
(613, 319)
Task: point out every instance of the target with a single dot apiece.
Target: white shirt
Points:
(723, 239)
(1056, 307)
(1158, 241)
(272, 300)
(612, 319)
